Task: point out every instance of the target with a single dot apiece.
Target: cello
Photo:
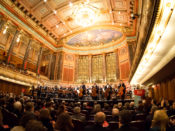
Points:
(120, 93)
(81, 92)
(94, 92)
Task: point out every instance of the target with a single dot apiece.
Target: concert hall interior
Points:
(75, 53)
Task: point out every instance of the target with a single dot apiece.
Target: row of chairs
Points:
(79, 126)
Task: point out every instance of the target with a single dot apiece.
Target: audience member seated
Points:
(160, 121)
(99, 119)
(45, 118)
(64, 123)
(115, 115)
(171, 112)
(77, 115)
(97, 108)
(124, 120)
(120, 106)
(150, 117)
(34, 125)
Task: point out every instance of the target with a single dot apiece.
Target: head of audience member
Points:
(120, 105)
(18, 128)
(99, 118)
(44, 114)
(77, 110)
(26, 118)
(84, 104)
(131, 105)
(97, 108)
(115, 106)
(17, 106)
(160, 120)
(140, 107)
(29, 107)
(61, 109)
(34, 125)
(124, 117)
(126, 106)
(153, 109)
(64, 122)
(173, 106)
(115, 112)
(106, 106)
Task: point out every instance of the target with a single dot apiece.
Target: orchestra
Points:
(94, 92)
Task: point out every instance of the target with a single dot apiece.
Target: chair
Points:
(78, 125)
(140, 116)
(113, 125)
(140, 124)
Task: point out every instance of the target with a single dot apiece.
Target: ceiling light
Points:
(112, 23)
(119, 12)
(110, 11)
(70, 4)
(5, 30)
(85, 15)
(54, 11)
(18, 39)
(45, 0)
(70, 31)
(57, 26)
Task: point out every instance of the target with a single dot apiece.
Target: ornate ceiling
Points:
(60, 19)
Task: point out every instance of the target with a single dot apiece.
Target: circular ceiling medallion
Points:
(96, 37)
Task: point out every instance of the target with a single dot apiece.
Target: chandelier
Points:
(85, 14)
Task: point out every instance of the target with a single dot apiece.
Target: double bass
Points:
(107, 92)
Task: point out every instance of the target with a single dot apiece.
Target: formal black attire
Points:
(84, 89)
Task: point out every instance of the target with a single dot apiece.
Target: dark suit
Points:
(127, 128)
(84, 89)
(95, 127)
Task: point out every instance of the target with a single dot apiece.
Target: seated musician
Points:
(84, 88)
(122, 89)
(108, 91)
(95, 90)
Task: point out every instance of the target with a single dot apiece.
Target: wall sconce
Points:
(134, 16)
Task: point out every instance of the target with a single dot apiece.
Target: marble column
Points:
(26, 54)
(39, 60)
(12, 46)
(90, 68)
(50, 63)
(56, 66)
(104, 67)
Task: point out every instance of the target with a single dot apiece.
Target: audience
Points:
(22, 113)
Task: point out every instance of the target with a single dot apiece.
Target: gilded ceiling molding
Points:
(26, 27)
(160, 46)
(148, 17)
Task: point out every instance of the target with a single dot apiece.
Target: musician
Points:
(84, 88)
(96, 89)
(109, 89)
(121, 84)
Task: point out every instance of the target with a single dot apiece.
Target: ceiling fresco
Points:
(95, 37)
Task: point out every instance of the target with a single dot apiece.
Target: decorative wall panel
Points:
(111, 67)
(83, 69)
(97, 68)
(124, 69)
